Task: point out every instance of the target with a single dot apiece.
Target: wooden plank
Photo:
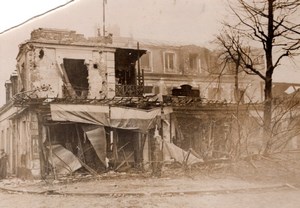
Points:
(66, 80)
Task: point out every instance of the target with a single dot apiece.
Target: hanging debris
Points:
(97, 138)
(181, 156)
(63, 160)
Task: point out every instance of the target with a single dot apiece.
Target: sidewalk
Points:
(120, 186)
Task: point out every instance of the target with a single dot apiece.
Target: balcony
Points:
(129, 90)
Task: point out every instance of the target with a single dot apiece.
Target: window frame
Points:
(197, 69)
(170, 70)
(150, 67)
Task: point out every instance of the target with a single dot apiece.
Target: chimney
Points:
(11, 86)
(8, 89)
(14, 82)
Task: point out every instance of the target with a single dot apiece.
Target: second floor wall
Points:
(173, 66)
(57, 63)
(66, 71)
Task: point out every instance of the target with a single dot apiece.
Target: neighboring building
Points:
(286, 100)
(167, 67)
(97, 102)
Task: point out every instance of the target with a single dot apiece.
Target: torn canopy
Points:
(63, 160)
(91, 114)
(180, 155)
(117, 117)
(97, 137)
(128, 118)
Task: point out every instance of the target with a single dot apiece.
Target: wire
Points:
(36, 16)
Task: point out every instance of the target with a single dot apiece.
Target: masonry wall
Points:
(43, 74)
(19, 139)
(7, 136)
(205, 77)
(27, 159)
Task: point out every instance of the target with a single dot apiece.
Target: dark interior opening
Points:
(125, 61)
(78, 75)
(71, 136)
(131, 146)
(128, 146)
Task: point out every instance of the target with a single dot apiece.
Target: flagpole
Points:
(104, 1)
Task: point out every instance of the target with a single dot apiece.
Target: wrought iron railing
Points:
(129, 90)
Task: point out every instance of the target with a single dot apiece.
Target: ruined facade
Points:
(96, 103)
(81, 76)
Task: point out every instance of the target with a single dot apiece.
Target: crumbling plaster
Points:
(41, 65)
(19, 138)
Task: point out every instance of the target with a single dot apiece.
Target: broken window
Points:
(129, 149)
(193, 61)
(76, 76)
(145, 62)
(74, 142)
(127, 80)
(169, 61)
(125, 61)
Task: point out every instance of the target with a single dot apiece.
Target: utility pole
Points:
(103, 18)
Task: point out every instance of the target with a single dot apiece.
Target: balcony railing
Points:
(129, 90)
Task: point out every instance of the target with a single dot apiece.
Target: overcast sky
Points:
(194, 21)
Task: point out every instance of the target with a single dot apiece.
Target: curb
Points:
(168, 193)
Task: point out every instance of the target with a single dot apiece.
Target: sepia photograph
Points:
(150, 103)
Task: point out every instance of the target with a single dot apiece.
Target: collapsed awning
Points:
(180, 155)
(91, 114)
(64, 161)
(117, 117)
(98, 140)
(127, 118)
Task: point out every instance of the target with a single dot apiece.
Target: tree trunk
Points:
(236, 85)
(268, 115)
(268, 79)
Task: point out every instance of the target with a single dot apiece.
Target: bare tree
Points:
(272, 27)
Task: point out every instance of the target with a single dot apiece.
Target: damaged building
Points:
(96, 103)
(74, 102)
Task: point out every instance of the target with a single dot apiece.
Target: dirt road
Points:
(274, 199)
(274, 188)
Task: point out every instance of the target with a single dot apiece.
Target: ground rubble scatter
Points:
(221, 179)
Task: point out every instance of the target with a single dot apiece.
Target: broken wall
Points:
(41, 67)
(7, 135)
(19, 139)
(44, 75)
(26, 145)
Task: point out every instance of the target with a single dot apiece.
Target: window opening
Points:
(169, 59)
(127, 84)
(193, 61)
(145, 61)
(77, 75)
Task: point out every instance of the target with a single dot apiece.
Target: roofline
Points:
(6, 107)
(86, 45)
(290, 83)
